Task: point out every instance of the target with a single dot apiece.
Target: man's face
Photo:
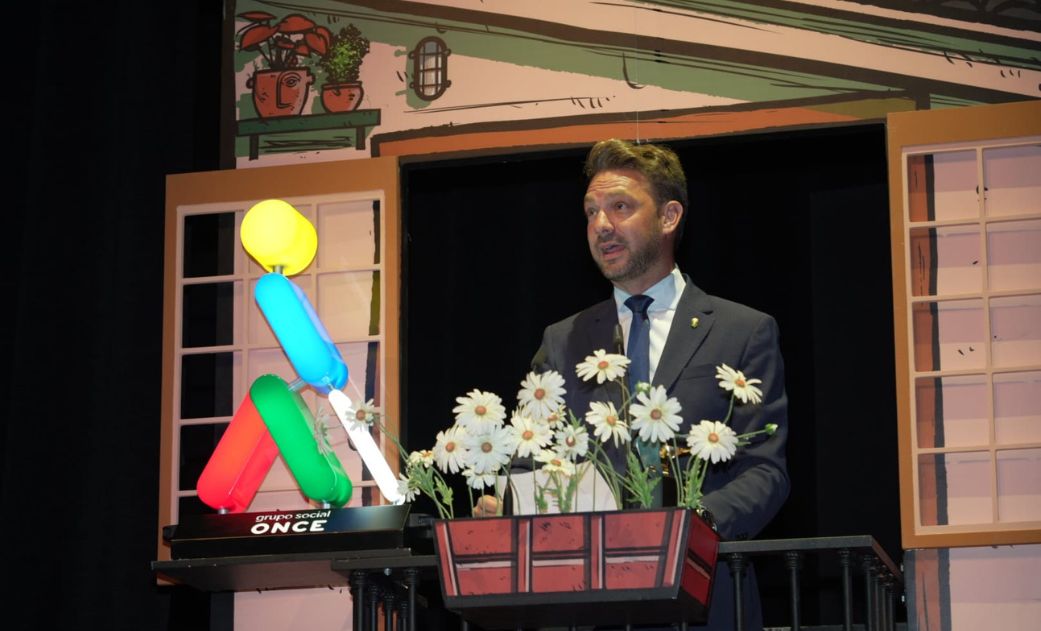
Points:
(626, 231)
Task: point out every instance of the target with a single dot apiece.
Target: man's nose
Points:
(601, 223)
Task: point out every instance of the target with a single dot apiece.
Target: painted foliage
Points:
(322, 80)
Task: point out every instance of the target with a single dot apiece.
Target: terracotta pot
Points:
(341, 97)
(608, 568)
(279, 93)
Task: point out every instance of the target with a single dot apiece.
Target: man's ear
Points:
(671, 214)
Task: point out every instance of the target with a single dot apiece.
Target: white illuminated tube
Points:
(367, 448)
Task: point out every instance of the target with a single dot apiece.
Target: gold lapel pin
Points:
(694, 323)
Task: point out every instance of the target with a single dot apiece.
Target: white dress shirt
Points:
(666, 294)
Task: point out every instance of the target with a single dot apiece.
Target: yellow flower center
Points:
(539, 394)
(486, 447)
(528, 434)
(480, 410)
(739, 382)
(555, 462)
(603, 364)
(713, 437)
(360, 415)
(656, 414)
(611, 420)
(449, 447)
(570, 441)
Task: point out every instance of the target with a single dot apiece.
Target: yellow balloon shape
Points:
(276, 234)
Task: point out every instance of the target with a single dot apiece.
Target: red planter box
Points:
(618, 567)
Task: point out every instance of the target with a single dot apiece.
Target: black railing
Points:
(386, 585)
(882, 579)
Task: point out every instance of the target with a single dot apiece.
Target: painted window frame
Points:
(912, 134)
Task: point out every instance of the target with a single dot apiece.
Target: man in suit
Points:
(635, 207)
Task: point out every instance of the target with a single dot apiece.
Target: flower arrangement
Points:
(482, 446)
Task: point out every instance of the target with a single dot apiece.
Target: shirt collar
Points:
(666, 293)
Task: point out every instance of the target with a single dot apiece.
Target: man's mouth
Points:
(610, 250)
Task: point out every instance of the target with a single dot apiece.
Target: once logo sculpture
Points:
(273, 418)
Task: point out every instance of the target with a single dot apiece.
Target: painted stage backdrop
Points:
(329, 80)
(318, 80)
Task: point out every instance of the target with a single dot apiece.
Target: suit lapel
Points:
(597, 326)
(600, 333)
(686, 334)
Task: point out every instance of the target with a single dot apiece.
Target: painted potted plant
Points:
(341, 63)
(281, 89)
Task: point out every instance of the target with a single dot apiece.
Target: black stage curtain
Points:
(107, 98)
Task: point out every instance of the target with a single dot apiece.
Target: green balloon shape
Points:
(320, 475)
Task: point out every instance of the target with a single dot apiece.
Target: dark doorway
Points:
(795, 224)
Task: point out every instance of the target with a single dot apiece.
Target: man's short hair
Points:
(659, 164)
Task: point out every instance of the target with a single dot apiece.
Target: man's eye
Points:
(619, 205)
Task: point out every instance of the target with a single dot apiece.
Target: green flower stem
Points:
(695, 478)
(769, 430)
(540, 497)
(437, 490)
(677, 472)
(444, 505)
(603, 465)
(638, 481)
(429, 482)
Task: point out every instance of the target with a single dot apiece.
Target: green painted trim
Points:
(746, 81)
(950, 43)
(945, 101)
(684, 66)
(357, 118)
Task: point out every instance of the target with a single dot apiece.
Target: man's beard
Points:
(640, 260)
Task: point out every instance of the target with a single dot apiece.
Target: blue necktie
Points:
(639, 352)
(639, 347)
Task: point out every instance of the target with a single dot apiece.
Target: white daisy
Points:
(362, 413)
(449, 450)
(712, 440)
(478, 481)
(606, 423)
(556, 420)
(479, 409)
(572, 441)
(407, 488)
(555, 463)
(602, 365)
(735, 381)
(423, 457)
(655, 415)
(489, 450)
(530, 435)
(541, 394)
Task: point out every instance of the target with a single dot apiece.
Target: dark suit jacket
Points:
(744, 493)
